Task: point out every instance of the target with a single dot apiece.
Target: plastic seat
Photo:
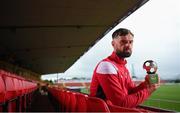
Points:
(67, 101)
(73, 102)
(28, 93)
(115, 108)
(56, 93)
(81, 105)
(2, 92)
(2, 89)
(62, 100)
(23, 98)
(17, 86)
(21, 87)
(10, 89)
(20, 93)
(11, 95)
(95, 104)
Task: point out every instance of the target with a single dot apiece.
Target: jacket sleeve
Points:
(132, 88)
(115, 93)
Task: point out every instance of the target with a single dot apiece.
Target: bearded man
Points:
(111, 79)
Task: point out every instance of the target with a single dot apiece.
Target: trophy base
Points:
(153, 78)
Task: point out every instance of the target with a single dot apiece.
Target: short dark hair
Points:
(121, 32)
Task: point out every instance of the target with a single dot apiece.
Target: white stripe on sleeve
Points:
(106, 68)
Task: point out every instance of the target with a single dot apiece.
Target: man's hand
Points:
(151, 87)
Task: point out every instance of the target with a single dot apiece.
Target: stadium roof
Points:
(48, 36)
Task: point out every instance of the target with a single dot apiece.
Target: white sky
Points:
(156, 26)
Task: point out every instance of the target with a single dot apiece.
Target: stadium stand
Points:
(70, 101)
(15, 92)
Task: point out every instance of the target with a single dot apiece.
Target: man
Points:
(111, 79)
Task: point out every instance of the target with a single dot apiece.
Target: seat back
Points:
(21, 87)
(81, 105)
(73, 102)
(17, 86)
(61, 99)
(2, 92)
(115, 108)
(10, 88)
(11, 92)
(67, 101)
(2, 89)
(95, 104)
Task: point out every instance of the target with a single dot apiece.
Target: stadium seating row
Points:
(77, 102)
(15, 92)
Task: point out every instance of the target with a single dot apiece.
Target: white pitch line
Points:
(165, 100)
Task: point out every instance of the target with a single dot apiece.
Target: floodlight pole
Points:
(57, 78)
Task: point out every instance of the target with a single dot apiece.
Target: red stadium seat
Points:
(62, 100)
(20, 95)
(2, 89)
(81, 105)
(10, 89)
(115, 108)
(23, 103)
(20, 86)
(67, 101)
(95, 104)
(11, 96)
(73, 102)
(2, 92)
(17, 86)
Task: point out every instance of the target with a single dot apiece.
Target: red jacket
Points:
(111, 81)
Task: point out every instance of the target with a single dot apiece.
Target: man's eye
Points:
(131, 42)
(124, 42)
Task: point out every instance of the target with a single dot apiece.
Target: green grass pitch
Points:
(166, 97)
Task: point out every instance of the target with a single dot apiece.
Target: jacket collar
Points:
(117, 59)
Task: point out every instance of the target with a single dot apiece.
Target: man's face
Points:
(123, 45)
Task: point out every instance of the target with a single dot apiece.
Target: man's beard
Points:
(123, 54)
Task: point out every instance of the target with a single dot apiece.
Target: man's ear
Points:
(112, 43)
